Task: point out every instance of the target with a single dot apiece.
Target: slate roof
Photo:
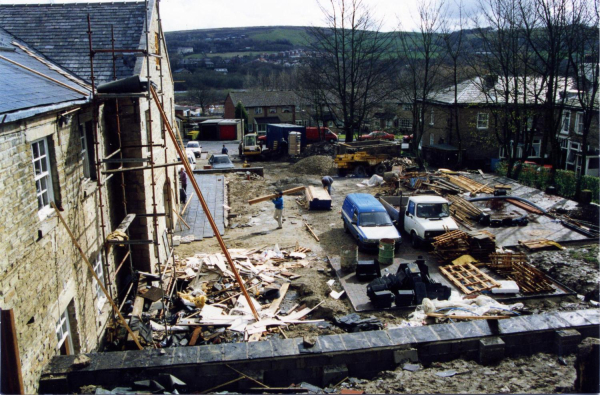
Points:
(21, 89)
(475, 91)
(59, 31)
(266, 98)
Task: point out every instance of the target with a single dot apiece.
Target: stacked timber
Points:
(317, 198)
(439, 183)
(454, 244)
(482, 244)
(450, 245)
(463, 210)
(470, 185)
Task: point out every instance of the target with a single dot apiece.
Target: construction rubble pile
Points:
(203, 302)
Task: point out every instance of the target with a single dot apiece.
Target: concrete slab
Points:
(540, 226)
(401, 336)
(260, 350)
(332, 343)
(357, 289)
(284, 348)
(213, 191)
(210, 353)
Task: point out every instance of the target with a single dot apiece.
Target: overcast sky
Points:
(210, 14)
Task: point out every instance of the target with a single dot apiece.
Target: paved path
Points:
(212, 188)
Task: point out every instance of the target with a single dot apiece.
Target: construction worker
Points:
(224, 150)
(278, 214)
(327, 181)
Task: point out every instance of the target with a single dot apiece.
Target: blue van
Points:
(367, 221)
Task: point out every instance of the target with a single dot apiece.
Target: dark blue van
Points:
(367, 221)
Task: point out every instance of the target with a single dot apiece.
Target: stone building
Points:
(479, 101)
(60, 143)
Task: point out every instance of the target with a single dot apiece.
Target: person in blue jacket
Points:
(327, 181)
(224, 150)
(278, 215)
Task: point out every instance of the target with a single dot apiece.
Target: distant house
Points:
(182, 71)
(209, 64)
(478, 130)
(222, 71)
(264, 107)
(184, 50)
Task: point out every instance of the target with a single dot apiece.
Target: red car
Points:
(376, 135)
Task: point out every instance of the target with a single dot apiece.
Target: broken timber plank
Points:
(277, 302)
(273, 196)
(311, 231)
(195, 335)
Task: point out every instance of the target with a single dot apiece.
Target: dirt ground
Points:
(251, 226)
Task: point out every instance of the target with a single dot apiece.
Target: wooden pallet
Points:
(468, 278)
(504, 262)
(530, 279)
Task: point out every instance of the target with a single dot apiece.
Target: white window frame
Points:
(432, 118)
(483, 120)
(330, 124)
(286, 109)
(42, 173)
(536, 146)
(258, 110)
(579, 123)
(301, 122)
(250, 127)
(261, 127)
(88, 172)
(272, 110)
(389, 123)
(431, 139)
(63, 330)
(99, 270)
(405, 123)
(407, 107)
(565, 122)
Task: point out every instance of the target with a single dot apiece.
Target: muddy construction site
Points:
(504, 308)
(253, 228)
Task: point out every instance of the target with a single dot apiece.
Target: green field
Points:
(252, 54)
(296, 36)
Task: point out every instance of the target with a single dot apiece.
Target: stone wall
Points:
(41, 270)
(42, 273)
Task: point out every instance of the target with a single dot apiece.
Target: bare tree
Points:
(454, 40)
(503, 68)
(203, 97)
(354, 70)
(422, 54)
(547, 26)
(583, 56)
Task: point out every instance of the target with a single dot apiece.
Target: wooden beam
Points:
(311, 231)
(12, 379)
(93, 273)
(273, 196)
(209, 216)
(124, 225)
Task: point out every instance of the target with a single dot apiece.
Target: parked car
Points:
(367, 221)
(220, 162)
(376, 135)
(195, 147)
(190, 157)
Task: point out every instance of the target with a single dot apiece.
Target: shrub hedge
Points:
(565, 181)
